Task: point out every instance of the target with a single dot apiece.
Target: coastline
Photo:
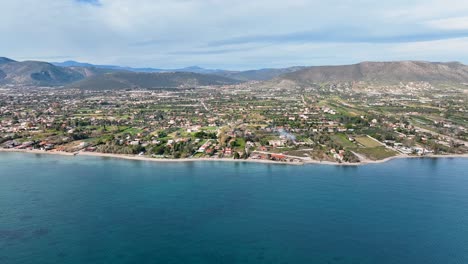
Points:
(305, 162)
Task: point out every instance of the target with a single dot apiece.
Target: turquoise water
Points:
(56, 209)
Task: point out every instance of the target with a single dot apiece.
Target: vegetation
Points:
(339, 121)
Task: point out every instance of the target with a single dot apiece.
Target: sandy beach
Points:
(145, 158)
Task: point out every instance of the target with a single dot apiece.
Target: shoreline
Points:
(305, 162)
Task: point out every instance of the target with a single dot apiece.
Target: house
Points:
(209, 151)
(204, 146)
(279, 157)
(276, 143)
(90, 149)
(227, 151)
(49, 146)
(135, 142)
(25, 145)
(338, 157)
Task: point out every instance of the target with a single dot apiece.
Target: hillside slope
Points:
(401, 71)
(126, 80)
(249, 75)
(35, 73)
(258, 75)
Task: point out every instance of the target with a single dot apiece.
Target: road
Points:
(204, 105)
(303, 100)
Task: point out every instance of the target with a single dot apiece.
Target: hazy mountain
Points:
(399, 71)
(194, 69)
(85, 75)
(35, 73)
(258, 75)
(91, 71)
(250, 75)
(127, 80)
(5, 60)
(108, 67)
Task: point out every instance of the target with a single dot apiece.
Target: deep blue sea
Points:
(60, 209)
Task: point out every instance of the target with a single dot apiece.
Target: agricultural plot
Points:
(343, 140)
(368, 142)
(376, 153)
(373, 149)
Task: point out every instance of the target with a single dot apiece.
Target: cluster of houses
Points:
(274, 113)
(337, 155)
(275, 157)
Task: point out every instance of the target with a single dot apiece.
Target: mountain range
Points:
(144, 80)
(82, 75)
(194, 69)
(250, 75)
(384, 72)
(36, 73)
(89, 76)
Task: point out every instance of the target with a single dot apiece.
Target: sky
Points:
(233, 34)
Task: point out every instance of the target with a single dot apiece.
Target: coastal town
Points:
(340, 122)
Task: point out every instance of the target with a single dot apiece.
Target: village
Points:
(333, 122)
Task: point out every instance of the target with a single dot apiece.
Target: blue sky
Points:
(234, 34)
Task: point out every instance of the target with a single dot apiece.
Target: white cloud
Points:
(176, 33)
(444, 50)
(453, 23)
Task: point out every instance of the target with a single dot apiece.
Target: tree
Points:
(348, 156)
(162, 134)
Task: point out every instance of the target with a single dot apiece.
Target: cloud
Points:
(209, 51)
(344, 36)
(441, 50)
(453, 23)
(232, 34)
(91, 2)
(47, 58)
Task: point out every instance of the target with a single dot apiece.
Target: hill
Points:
(85, 75)
(5, 60)
(194, 69)
(250, 75)
(75, 64)
(36, 73)
(386, 72)
(128, 80)
(257, 75)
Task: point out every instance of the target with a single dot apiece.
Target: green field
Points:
(198, 155)
(368, 142)
(422, 120)
(240, 144)
(376, 153)
(208, 128)
(131, 131)
(342, 140)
